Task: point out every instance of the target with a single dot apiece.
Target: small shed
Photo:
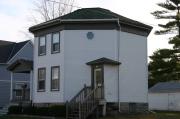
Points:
(165, 96)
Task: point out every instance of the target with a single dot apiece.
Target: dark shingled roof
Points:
(9, 50)
(165, 87)
(94, 13)
(99, 13)
(103, 61)
(2, 42)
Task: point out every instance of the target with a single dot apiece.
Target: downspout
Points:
(11, 87)
(118, 57)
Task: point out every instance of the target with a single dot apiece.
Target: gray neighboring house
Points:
(165, 96)
(14, 86)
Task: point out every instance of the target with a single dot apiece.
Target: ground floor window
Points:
(19, 87)
(55, 78)
(41, 79)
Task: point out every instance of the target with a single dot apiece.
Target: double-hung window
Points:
(42, 45)
(41, 79)
(55, 78)
(19, 89)
(55, 43)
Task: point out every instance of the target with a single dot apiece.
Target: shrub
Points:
(42, 111)
(56, 111)
(15, 110)
(29, 110)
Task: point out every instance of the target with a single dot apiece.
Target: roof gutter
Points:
(150, 27)
(78, 20)
(67, 20)
(58, 21)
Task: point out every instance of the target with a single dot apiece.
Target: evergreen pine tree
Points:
(165, 64)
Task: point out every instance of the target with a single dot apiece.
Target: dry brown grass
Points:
(158, 115)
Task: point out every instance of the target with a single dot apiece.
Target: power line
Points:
(63, 3)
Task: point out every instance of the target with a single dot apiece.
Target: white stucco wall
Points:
(111, 83)
(164, 101)
(79, 50)
(133, 70)
(48, 61)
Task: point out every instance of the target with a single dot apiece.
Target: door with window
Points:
(98, 81)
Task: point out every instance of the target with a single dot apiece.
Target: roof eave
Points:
(64, 21)
(61, 21)
(3, 63)
(29, 41)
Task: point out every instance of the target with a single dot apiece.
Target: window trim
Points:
(58, 78)
(54, 52)
(41, 90)
(39, 45)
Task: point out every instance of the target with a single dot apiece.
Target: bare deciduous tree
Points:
(46, 10)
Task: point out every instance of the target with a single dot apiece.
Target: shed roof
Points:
(21, 66)
(103, 61)
(2, 42)
(9, 50)
(165, 87)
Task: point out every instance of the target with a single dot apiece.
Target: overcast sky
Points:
(14, 17)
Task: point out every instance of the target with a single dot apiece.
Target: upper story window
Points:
(42, 45)
(41, 79)
(55, 45)
(55, 78)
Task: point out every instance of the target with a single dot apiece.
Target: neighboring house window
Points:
(19, 93)
(55, 78)
(42, 46)
(18, 89)
(55, 44)
(41, 79)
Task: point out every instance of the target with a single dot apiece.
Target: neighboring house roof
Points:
(9, 50)
(103, 61)
(91, 13)
(2, 42)
(21, 66)
(165, 87)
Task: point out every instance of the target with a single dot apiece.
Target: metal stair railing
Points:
(83, 104)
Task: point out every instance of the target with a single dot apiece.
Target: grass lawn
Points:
(157, 115)
(21, 117)
(16, 117)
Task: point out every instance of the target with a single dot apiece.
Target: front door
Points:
(98, 81)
